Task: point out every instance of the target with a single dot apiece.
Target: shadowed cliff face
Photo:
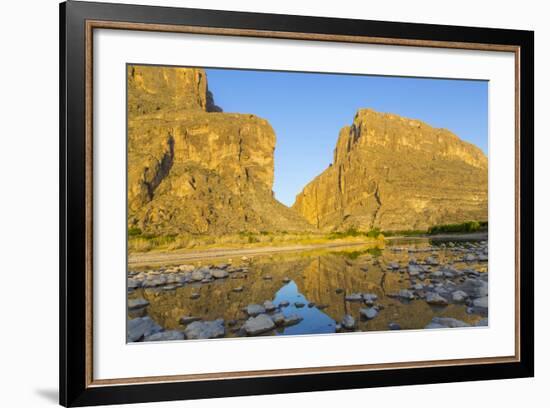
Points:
(395, 173)
(192, 168)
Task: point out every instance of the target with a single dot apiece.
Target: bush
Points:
(470, 226)
(134, 231)
(374, 233)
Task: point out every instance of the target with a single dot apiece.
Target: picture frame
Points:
(79, 21)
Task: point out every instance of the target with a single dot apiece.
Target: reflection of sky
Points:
(315, 321)
(308, 110)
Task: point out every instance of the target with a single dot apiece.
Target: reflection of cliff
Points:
(217, 299)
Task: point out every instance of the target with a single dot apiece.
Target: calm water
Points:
(319, 280)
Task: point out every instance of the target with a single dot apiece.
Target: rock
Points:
(459, 296)
(348, 322)
(269, 306)
(322, 306)
(475, 287)
(431, 261)
(445, 322)
(197, 275)
(482, 302)
(405, 294)
(219, 273)
(260, 324)
(173, 181)
(292, 320)
(369, 298)
(278, 318)
(369, 313)
(189, 319)
(255, 310)
(267, 277)
(134, 283)
(238, 289)
(311, 304)
(414, 270)
(408, 150)
(470, 258)
(284, 303)
(134, 304)
(141, 327)
(339, 291)
(435, 299)
(393, 265)
(286, 280)
(212, 329)
(194, 296)
(394, 326)
(223, 266)
(244, 258)
(299, 305)
(166, 336)
(186, 268)
(354, 297)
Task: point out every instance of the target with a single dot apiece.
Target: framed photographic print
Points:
(255, 203)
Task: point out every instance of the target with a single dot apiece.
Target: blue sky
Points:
(308, 110)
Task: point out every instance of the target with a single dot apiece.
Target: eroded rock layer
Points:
(192, 168)
(395, 173)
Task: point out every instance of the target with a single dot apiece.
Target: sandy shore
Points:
(153, 258)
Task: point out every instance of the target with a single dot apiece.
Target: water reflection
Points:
(320, 280)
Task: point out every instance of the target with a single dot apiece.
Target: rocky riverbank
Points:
(413, 286)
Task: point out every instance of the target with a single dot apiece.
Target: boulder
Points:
(255, 310)
(166, 336)
(368, 313)
(141, 327)
(212, 329)
(436, 299)
(260, 324)
(134, 304)
(348, 322)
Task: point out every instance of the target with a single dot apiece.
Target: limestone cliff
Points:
(192, 168)
(395, 173)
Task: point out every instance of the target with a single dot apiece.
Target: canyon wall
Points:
(394, 173)
(193, 168)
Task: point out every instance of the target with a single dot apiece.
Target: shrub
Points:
(134, 231)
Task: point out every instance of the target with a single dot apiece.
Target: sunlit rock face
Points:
(193, 168)
(395, 173)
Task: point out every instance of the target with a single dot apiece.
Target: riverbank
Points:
(156, 258)
(136, 259)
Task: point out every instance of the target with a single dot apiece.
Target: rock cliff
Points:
(394, 173)
(192, 168)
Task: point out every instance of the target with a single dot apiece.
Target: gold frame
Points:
(99, 24)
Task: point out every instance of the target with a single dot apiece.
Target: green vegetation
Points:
(143, 242)
(352, 232)
(465, 227)
(132, 232)
(470, 226)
